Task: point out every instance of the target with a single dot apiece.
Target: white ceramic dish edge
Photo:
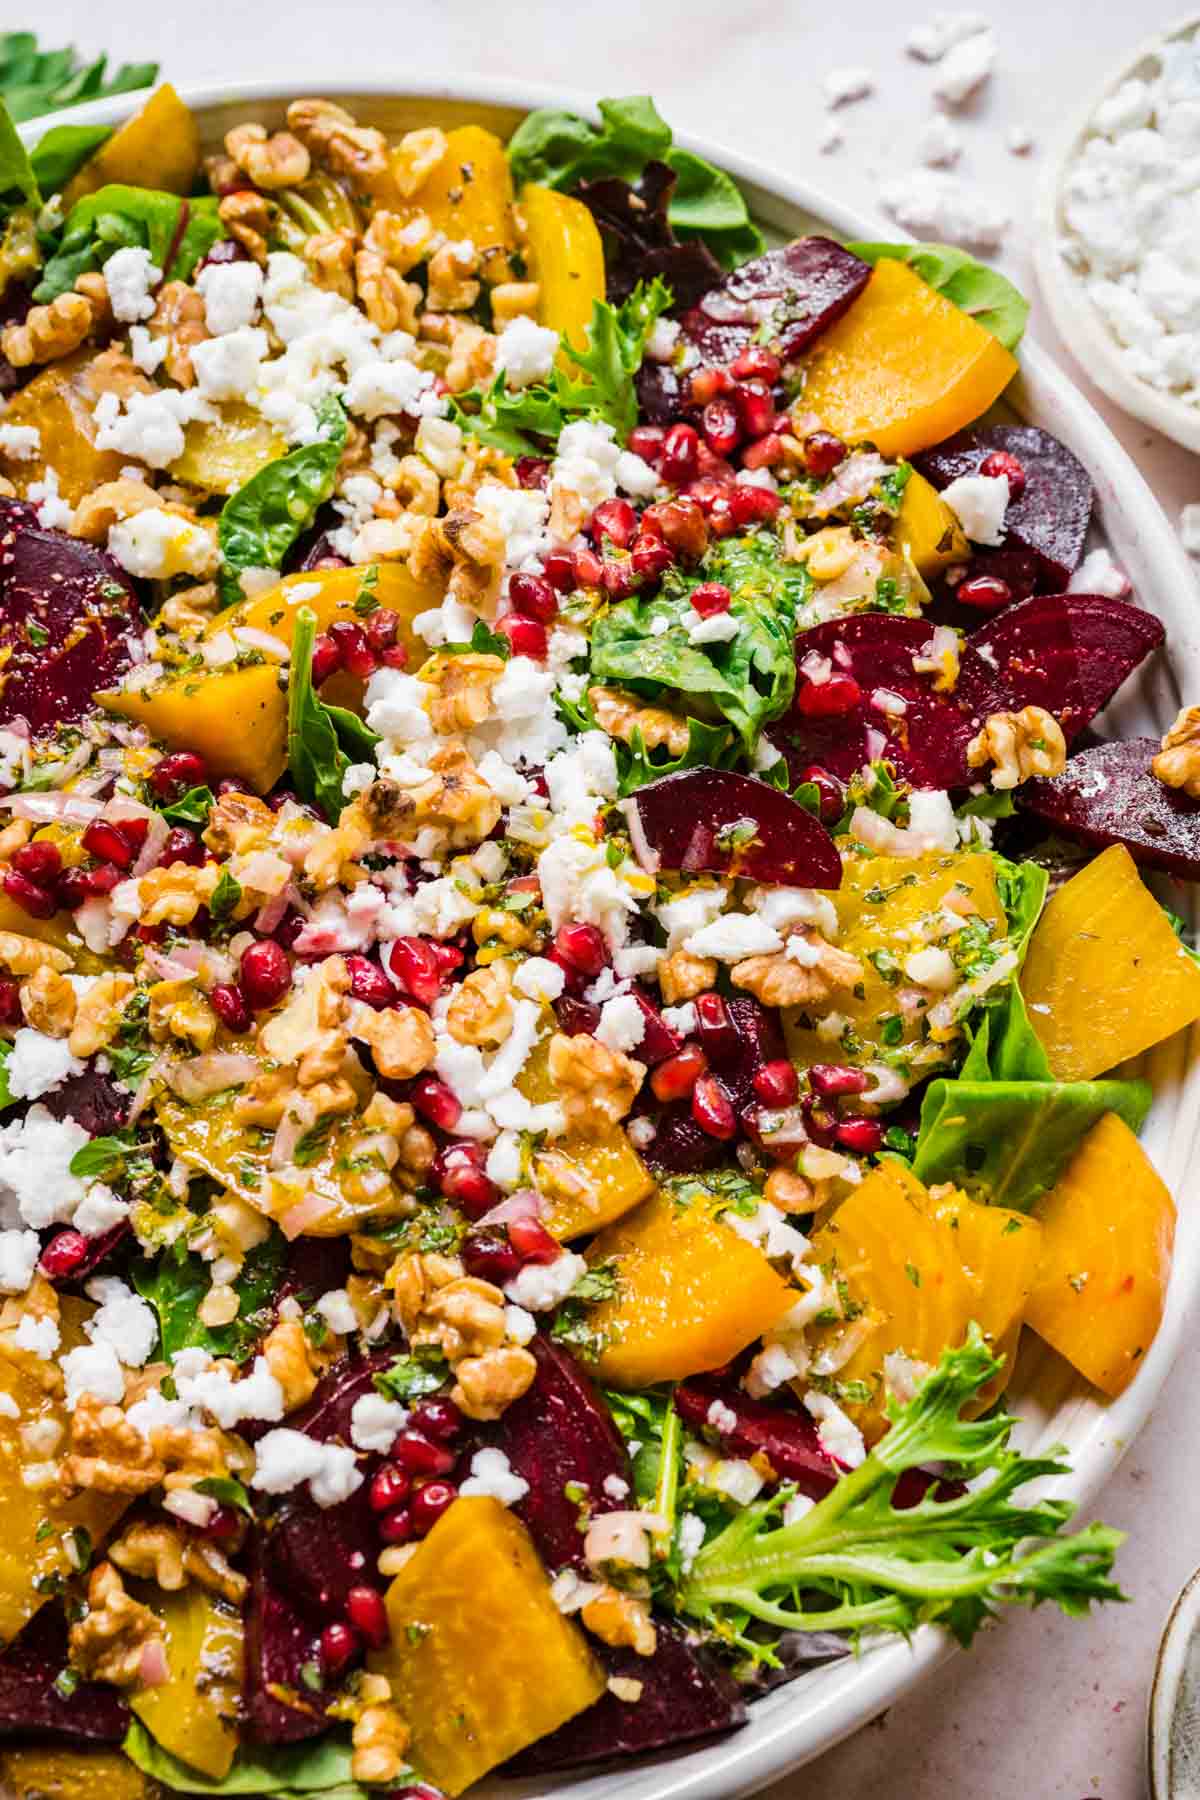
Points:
(1065, 293)
(798, 1722)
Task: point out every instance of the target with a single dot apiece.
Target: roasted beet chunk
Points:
(796, 292)
(92, 1100)
(686, 1695)
(784, 1435)
(280, 1645)
(559, 1432)
(714, 820)
(1050, 517)
(638, 240)
(1108, 795)
(31, 1705)
(66, 610)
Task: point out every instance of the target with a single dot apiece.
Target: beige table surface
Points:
(1043, 1709)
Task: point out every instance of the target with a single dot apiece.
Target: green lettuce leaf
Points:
(260, 523)
(177, 233)
(314, 1768)
(176, 1281)
(34, 81)
(559, 150)
(17, 178)
(322, 740)
(64, 149)
(984, 293)
(6, 1095)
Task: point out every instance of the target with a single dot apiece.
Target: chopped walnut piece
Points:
(681, 976)
(621, 717)
(108, 1455)
(330, 259)
(465, 552)
(112, 501)
(237, 824)
(388, 300)
(48, 1002)
(622, 1620)
(401, 240)
(1177, 764)
(790, 1192)
(108, 1642)
(178, 1009)
(460, 696)
(250, 219)
(1020, 744)
(597, 1085)
(485, 1386)
(334, 139)
(436, 1303)
(451, 285)
(472, 349)
(164, 1553)
(379, 1741)
(481, 1009)
(49, 332)
(286, 1350)
(401, 1039)
(174, 895)
(415, 158)
(190, 610)
(514, 300)
(179, 317)
(22, 955)
(782, 980)
(416, 486)
(452, 797)
(277, 161)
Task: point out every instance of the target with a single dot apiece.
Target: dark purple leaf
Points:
(83, 602)
(785, 1435)
(638, 240)
(558, 1432)
(1107, 795)
(795, 293)
(686, 1694)
(799, 1651)
(30, 1705)
(1051, 517)
(684, 816)
(278, 1707)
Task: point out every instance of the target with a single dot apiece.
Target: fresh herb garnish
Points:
(412, 1377)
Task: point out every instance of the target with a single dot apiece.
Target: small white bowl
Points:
(1076, 319)
(1173, 1722)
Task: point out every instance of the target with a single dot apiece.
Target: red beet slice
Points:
(686, 1694)
(1107, 795)
(93, 1100)
(279, 1645)
(30, 1704)
(785, 1435)
(83, 602)
(560, 1432)
(790, 295)
(1051, 517)
(691, 821)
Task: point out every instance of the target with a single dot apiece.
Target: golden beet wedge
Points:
(194, 1713)
(927, 531)
(158, 148)
(1106, 976)
(480, 1660)
(469, 194)
(904, 367)
(60, 403)
(566, 258)
(236, 719)
(1108, 1229)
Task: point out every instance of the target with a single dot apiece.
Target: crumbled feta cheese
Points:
(285, 1459)
(525, 352)
(540, 979)
(519, 1325)
(99, 1210)
(38, 1064)
(337, 1310)
(842, 86)
(375, 1423)
(965, 68)
(622, 1023)
(979, 503)
(1099, 574)
(783, 907)
(21, 442)
(663, 340)
(717, 628)
(938, 145)
(257, 1395)
(519, 514)
(122, 1320)
(541, 1286)
(36, 1185)
(722, 1418)
(931, 41)
(231, 292)
(129, 276)
(147, 353)
(689, 911)
(733, 936)
(41, 1337)
(585, 464)
(53, 512)
(92, 1369)
(691, 1539)
(227, 367)
(839, 1435)
(377, 388)
(158, 545)
(19, 1252)
(148, 427)
(635, 476)
(933, 204)
(493, 1474)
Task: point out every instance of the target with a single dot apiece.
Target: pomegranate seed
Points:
(183, 846)
(461, 1177)
(358, 659)
(756, 364)
(224, 1524)
(420, 1456)
(721, 522)
(532, 471)
(722, 430)
(381, 628)
(1003, 462)
(824, 451)
(534, 597)
(709, 384)
(438, 1418)
(289, 928)
(412, 962)
(74, 886)
(986, 592)
(755, 407)
(863, 1135)
(40, 862)
(369, 983)
(107, 844)
(389, 1488)
(63, 1254)
(776, 1083)
(589, 568)
(10, 1001)
(488, 1256)
(764, 452)
(834, 1080)
(711, 597)
(750, 504)
(429, 1503)
(135, 831)
(831, 793)
(715, 1028)
(326, 660)
(575, 1016)
(534, 1243)
(650, 557)
(395, 656)
(266, 974)
(229, 1003)
(339, 1644)
(173, 775)
(558, 567)
(712, 1109)
(620, 579)
(829, 699)
(527, 637)
(675, 1078)
(646, 441)
(616, 521)
(448, 958)
(583, 947)
(435, 1102)
(679, 455)
(368, 1615)
(396, 1527)
(232, 784)
(31, 898)
(682, 524)
(819, 1122)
